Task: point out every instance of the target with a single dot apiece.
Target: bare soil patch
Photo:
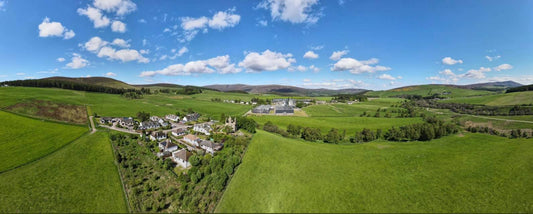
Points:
(50, 110)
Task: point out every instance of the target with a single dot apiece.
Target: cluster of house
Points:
(241, 102)
(154, 122)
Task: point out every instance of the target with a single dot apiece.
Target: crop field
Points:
(24, 139)
(427, 90)
(470, 173)
(115, 105)
(79, 178)
(516, 98)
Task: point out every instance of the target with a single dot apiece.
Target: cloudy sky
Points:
(309, 43)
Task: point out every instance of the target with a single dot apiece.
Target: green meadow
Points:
(470, 173)
(427, 90)
(516, 98)
(24, 139)
(353, 110)
(78, 178)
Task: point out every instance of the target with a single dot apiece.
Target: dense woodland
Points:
(349, 97)
(49, 83)
(464, 108)
(520, 88)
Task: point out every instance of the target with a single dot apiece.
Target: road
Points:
(92, 125)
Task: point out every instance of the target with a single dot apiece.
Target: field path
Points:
(492, 118)
(92, 125)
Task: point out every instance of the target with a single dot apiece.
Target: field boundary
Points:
(125, 197)
(46, 155)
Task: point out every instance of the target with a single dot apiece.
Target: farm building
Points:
(284, 110)
(262, 109)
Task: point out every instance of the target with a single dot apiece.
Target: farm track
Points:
(507, 120)
(93, 129)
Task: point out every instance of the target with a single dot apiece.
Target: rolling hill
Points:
(283, 90)
(100, 81)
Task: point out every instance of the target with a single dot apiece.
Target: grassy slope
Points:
(78, 178)
(474, 173)
(24, 139)
(115, 105)
(425, 90)
(345, 110)
(516, 98)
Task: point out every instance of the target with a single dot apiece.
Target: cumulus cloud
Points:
(266, 61)
(450, 61)
(386, 77)
(120, 7)
(336, 55)
(60, 59)
(54, 29)
(448, 76)
(220, 64)
(314, 68)
(503, 67)
(334, 84)
(310, 55)
(96, 16)
(77, 62)
(447, 72)
(219, 21)
(492, 58)
(103, 50)
(121, 43)
(2, 5)
(476, 73)
(118, 26)
(293, 11)
(110, 74)
(357, 67)
(263, 23)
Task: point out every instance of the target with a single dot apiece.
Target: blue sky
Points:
(308, 43)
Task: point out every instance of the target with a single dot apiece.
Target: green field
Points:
(81, 177)
(353, 110)
(115, 105)
(515, 98)
(470, 173)
(427, 90)
(24, 139)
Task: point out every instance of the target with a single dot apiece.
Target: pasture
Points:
(470, 173)
(24, 139)
(516, 98)
(428, 90)
(79, 178)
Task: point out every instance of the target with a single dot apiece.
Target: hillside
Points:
(428, 90)
(100, 81)
(492, 86)
(283, 90)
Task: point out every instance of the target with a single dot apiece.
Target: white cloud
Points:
(503, 67)
(20, 74)
(96, 16)
(386, 77)
(2, 5)
(357, 67)
(450, 61)
(77, 62)
(314, 69)
(476, 74)
(317, 48)
(60, 59)
(221, 64)
(266, 61)
(182, 51)
(336, 55)
(124, 55)
(263, 23)
(293, 11)
(492, 58)
(447, 72)
(50, 29)
(94, 44)
(110, 74)
(219, 21)
(120, 7)
(310, 55)
(301, 68)
(120, 43)
(118, 26)
(224, 19)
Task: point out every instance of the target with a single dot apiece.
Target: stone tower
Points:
(231, 123)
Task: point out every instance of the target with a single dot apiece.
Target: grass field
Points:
(350, 124)
(354, 110)
(24, 139)
(473, 173)
(79, 178)
(115, 105)
(427, 90)
(515, 98)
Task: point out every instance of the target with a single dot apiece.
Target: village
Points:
(177, 137)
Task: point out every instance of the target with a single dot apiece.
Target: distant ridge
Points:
(100, 81)
(489, 86)
(282, 90)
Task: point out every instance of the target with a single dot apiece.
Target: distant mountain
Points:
(282, 90)
(492, 86)
(100, 81)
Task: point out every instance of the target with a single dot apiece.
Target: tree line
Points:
(464, 108)
(520, 88)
